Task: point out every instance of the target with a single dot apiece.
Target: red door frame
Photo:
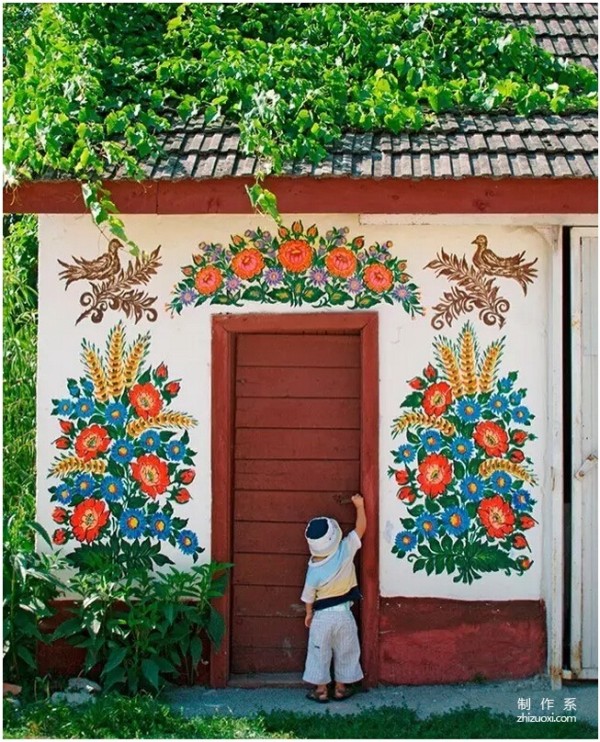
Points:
(224, 330)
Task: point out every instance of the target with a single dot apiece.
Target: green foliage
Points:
(19, 365)
(146, 628)
(30, 583)
(141, 717)
(89, 87)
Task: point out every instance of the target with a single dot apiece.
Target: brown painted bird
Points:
(486, 261)
(105, 266)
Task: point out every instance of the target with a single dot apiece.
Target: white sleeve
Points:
(352, 543)
(308, 594)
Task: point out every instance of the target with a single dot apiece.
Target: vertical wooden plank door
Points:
(297, 445)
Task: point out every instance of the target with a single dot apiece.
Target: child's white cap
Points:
(323, 536)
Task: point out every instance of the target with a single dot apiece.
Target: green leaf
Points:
(414, 399)
(150, 670)
(115, 658)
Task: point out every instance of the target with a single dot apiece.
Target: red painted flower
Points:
(59, 515)
(516, 456)
(520, 542)
(66, 426)
(435, 473)
(524, 563)
(208, 280)
(518, 437)
(295, 256)
(88, 518)
(162, 371)
(91, 442)
(497, 516)
(437, 398)
(341, 262)
(187, 476)
(247, 263)
(378, 278)
(430, 372)
(62, 442)
(401, 476)
(491, 437)
(146, 400)
(183, 495)
(152, 473)
(407, 495)
(526, 522)
(59, 536)
(172, 388)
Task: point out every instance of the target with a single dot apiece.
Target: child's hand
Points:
(358, 501)
(308, 620)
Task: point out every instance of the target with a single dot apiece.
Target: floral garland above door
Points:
(296, 267)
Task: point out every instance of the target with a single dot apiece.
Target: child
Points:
(329, 590)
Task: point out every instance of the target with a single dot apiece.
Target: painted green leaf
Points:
(414, 399)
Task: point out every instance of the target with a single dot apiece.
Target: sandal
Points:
(343, 695)
(312, 695)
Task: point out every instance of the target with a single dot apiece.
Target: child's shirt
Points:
(333, 576)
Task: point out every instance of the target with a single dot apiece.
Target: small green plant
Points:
(30, 584)
(145, 629)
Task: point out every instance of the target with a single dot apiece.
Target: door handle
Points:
(587, 465)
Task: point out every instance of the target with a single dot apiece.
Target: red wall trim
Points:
(432, 640)
(224, 329)
(322, 195)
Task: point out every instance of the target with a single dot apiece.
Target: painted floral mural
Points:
(296, 267)
(463, 471)
(125, 463)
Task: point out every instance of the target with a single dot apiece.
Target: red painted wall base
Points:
(424, 641)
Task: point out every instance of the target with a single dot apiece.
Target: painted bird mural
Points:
(101, 268)
(490, 264)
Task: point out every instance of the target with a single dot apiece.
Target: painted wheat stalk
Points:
(451, 369)
(95, 371)
(426, 421)
(134, 358)
(489, 365)
(114, 361)
(71, 464)
(162, 420)
(468, 361)
(487, 468)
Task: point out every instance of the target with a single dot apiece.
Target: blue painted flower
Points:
(187, 542)
(160, 526)
(468, 410)
(405, 453)
(233, 284)
(188, 296)
(73, 388)
(515, 398)
(402, 293)
(427, 525)
(84, 407)
(111, 488)
(462, 448)
(498, 403)
(354, 285)
(472, 488)
(85, 484)
(64, 407)
(150, 440)
(273, 277)
(122, 451)
(115, 413)
(318, 277)
(505, 384)
(431, 440)
(176, 450)
(521, 500)
(521, 415)
(501, 482)
(456, 521)
(405, 541)
(63, 494)
(87, 386)
(132, 523)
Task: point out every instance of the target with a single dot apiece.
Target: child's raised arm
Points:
(361, 519)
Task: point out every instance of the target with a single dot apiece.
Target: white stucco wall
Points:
(405, 348)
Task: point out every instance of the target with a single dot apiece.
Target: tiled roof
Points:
(493, 145)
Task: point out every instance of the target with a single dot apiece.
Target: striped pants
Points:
(333, 634)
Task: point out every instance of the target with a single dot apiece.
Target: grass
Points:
(145, 718)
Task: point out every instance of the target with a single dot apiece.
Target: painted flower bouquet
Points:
(463, 472)
(296, 266)
(125, 462)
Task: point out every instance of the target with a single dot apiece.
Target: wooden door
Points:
(297, 417)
